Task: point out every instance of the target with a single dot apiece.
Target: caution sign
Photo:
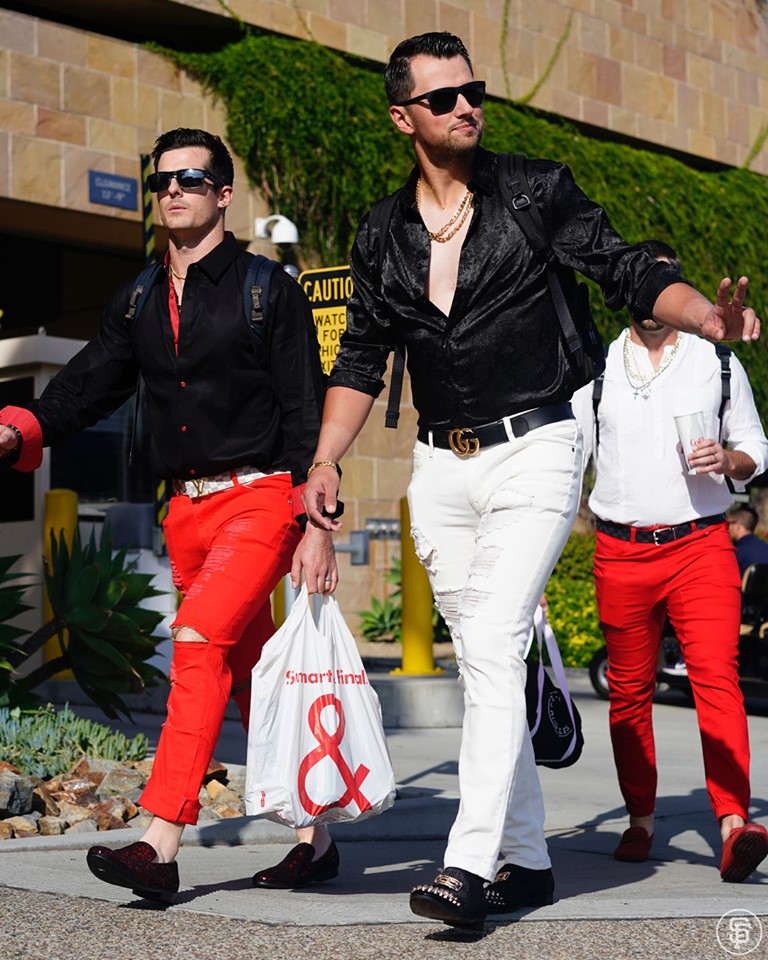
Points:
(328, 290)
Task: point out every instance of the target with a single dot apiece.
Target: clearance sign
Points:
(328, 291)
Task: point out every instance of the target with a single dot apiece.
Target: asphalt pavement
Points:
(674, 905)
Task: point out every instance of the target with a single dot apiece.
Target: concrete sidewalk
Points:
(384, 856)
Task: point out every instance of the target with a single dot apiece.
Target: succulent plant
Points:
(105, 636)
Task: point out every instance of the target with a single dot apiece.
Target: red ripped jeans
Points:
(228, 552)
(695, 580)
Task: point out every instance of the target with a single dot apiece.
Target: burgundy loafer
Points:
(132, 867)
(634, 846)
(743, 851)
(298, 868)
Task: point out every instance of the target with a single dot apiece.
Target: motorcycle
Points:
(753, 645)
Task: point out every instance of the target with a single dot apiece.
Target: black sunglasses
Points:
(189, 179)
(444, 99)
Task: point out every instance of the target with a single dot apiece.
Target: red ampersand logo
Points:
(329, 747)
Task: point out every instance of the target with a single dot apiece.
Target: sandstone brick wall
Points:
(688, 74)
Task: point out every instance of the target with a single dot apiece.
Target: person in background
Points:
(235, 432)
(662, 550)
(498, 458)
(742, 523)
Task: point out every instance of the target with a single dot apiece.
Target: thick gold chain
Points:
(442, 236)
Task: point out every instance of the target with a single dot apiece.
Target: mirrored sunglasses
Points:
(189, 179)
(443, 100)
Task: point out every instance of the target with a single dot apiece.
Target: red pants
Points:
(695, 580)
(228, 551)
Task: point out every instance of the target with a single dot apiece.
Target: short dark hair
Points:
(745, 515)
(221, 160)
(658, 249)
(398, 79)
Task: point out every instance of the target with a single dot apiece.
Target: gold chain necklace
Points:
(442, 235)
(642, 385)
(177, 275)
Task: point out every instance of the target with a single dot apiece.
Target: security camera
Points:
(279, 229)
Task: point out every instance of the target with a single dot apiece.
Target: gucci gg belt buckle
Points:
(463, 446)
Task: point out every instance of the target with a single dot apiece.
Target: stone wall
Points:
(688, 74)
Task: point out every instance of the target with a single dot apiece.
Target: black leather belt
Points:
(466, 441)
(660, 535)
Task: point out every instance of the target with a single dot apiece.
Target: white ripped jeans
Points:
(489, 530)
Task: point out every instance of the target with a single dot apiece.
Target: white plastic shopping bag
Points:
(316, 746)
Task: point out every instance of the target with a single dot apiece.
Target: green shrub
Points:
(44, 742)
(572, 605)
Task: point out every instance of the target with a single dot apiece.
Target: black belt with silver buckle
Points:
(660, 535)
(466, 441)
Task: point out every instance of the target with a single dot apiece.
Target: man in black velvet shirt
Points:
(497, 462)
(234, 431)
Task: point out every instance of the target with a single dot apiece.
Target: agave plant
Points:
(105, 637)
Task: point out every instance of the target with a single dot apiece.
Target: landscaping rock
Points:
(122, 781)
(15, 794)
(51, 826)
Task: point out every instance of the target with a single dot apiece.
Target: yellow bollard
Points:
(60, 515)
(417, 604)
(278, 604)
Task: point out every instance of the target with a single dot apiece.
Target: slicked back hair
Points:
(398, 79)
(221, 160)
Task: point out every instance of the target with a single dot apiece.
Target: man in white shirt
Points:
(663, 549)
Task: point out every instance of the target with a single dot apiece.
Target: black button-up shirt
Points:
(500, 350)
(216, 405)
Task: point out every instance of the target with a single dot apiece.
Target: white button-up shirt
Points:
(642, 478)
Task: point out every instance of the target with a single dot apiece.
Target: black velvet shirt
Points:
(215, 406)
(500, 349)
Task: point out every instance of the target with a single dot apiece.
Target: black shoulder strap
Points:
(256, 296)
(381, 215)
(597, 394)
(137, 299)
(141, 287)
(518, 197)
(724, 353)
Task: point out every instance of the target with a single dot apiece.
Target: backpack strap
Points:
(256, 299)
(382, 218)
(138, 297)
(724, 353)
(597, 394)
(518, 197)
(141, 287)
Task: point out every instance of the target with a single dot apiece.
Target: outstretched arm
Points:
(684, 308)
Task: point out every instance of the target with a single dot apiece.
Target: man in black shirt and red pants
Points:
(496, 477)
(236, 432)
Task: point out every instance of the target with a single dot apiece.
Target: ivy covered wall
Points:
(312, 129)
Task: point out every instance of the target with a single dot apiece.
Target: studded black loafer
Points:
(454, 897)
(516, 887)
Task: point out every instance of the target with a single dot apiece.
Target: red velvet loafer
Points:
(132, 867)
(634, 846)
(743, 851)
(298, 869)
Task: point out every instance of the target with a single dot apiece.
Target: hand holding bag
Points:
(316, 746)
(553, 720)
